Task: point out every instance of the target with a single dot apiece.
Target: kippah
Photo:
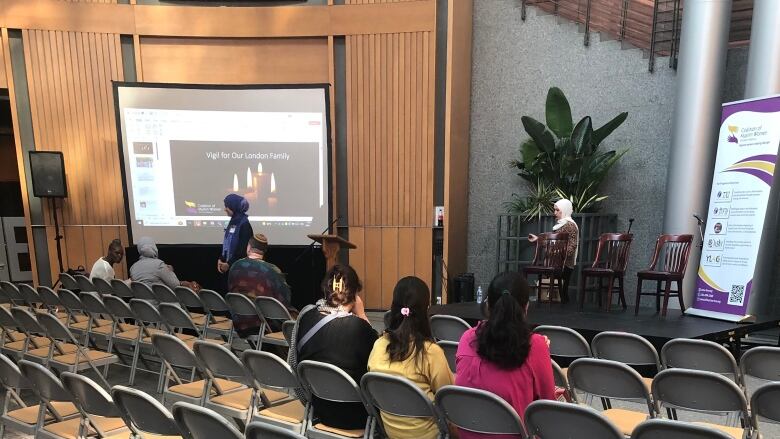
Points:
(259, 237)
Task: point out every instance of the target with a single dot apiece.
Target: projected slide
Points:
(184, 149)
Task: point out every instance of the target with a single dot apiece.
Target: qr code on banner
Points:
(737, 295)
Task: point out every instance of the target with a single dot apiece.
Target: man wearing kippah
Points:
(254, 277)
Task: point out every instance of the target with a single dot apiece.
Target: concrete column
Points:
(763, 79)
(763, 73)
(700, 73)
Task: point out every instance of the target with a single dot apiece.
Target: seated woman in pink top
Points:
(502, 355)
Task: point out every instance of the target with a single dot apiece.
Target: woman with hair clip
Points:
(332, 332)
(407, 349)
(501, 354)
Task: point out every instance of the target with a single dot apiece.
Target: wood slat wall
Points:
(390, 101)
(69, 78)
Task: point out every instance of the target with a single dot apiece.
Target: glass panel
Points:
(20, 234)
(24, 261)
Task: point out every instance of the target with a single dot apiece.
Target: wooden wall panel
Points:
(3, 81)
(69, 78)
(235, 61)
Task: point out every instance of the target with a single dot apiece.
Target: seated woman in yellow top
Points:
(407, 349)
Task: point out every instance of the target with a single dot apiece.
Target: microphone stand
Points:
(699, 223)
(311, 246)
(630, 223)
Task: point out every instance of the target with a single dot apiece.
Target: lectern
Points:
(331, 244)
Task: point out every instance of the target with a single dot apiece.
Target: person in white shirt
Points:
(104, 266)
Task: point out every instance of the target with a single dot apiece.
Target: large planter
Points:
(514, 251)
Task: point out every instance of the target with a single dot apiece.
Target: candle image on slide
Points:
(272, 199)
(248, 178)
(261, 182)
(235, 182)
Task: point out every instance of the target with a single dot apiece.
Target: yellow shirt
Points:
(434, 374)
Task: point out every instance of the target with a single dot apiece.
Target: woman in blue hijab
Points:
(237, 232)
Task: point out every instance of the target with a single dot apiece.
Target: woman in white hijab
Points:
(565, 224)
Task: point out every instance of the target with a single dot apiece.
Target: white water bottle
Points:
(479, 294)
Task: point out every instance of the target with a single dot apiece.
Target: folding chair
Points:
(68, 282)
(102, 287)
(73, 305)
(96, 309)
(99, 415)
(554, 419)
(164, 294)
(449, 328)
(143, 414)
(143, 292)
(397, 396)
(478, 411)
(121, 289)
(666, 429)
(260, 430)
(24, 418)
(137, 339)
(52, 302)
(55, 402)
(272, 310)
(201, 423)
(328, 382)
(627, 348)
(12, 292)
(81, 359)
(242, 306)
(700, 355)
(176, 318)
(5, 299)
(703, 392)
(450, 349)
(240, 404)
(30, 297)
(174, 353)
(214, 305)
(190, 301)
(562, 381)
(85, 285)
(16, 339)
(38, 350)
(148, 315)
(566, 345)
(761, 363)
(765, 405)
(610, 380)
(269, 372)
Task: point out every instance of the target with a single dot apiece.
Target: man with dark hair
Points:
(255, 277)
(104, 266)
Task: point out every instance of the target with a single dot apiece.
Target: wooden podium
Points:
(331, 244)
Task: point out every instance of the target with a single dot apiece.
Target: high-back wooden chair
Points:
(610, 264)
(549, 260)
(670, 259)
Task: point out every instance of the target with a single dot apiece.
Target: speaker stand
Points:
(57, 236)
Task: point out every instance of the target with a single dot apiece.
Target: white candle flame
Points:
(273, 183)
(248, 178)
(259, 167)
(235, 182)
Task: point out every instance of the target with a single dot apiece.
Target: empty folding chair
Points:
(84, 283)
(328, 382)
(143, 292)
(30, 297)
(554, 420)
(448, 328)
(68, 282)
(273, 313)
(39, 347)
(398, 397)
(269, 372)
(260, 430)
(450, 349)
(99, 415)
(216, 311)
(700, 355)
(9, 331)
(176, 318)
(190, 301)
(73, 305)
(121, 289)
(5, 299)
(761, 363)
(666, 429)
(143, 414)
(138, 339)
(765, 405)
(55, 400)
(164, 294)
(148, 315)
(102, 286)
(17, 340)
(566, 345)
(703, 392)
(239, 404)
(52, 302)
(174, 353)
(201, 423)
(630, 349)
(478, 411)
(12, 291)
(97, 310)
(24, 418)
(82, 358)
(610, 380)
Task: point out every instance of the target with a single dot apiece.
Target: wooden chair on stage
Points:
(614, 247)
(670, 259)
(549, 259)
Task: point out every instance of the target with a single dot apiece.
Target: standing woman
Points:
(565, 224)
(237, 233)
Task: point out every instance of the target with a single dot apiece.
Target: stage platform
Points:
(658, 330)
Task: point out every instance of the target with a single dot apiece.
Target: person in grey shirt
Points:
(149, 269)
